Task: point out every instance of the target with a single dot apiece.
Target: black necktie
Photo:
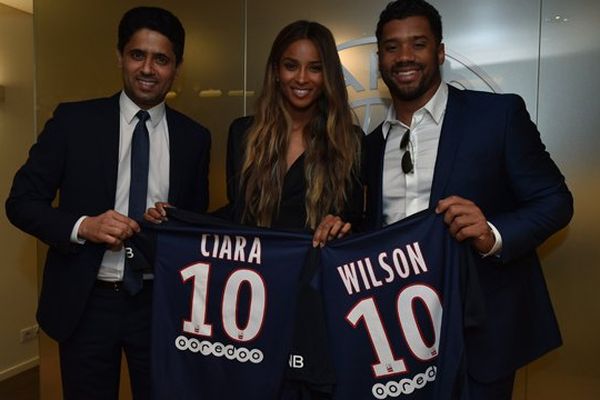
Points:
(138, 189)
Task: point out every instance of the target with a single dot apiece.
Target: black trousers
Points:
(296, 390)
(90, 360)
(500, 389)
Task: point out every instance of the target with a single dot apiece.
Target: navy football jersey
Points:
(224, 301)
(395, 312)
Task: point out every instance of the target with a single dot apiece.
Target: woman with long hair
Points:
(296, 163)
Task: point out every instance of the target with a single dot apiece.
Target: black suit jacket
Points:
(76, 155)
(491, 153)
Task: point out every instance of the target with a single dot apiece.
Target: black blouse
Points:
(292, 212)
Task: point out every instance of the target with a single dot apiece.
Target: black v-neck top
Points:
(292, 213)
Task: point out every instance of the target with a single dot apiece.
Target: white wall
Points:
(18, 271)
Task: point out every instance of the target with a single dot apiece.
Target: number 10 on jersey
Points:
(199, 274)
(367, 311)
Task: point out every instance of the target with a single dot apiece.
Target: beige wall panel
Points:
(568, 115)
(18, 275)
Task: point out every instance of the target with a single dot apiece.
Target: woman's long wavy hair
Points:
(332, 155)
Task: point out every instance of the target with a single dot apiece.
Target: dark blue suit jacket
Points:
(491, 153)
(77, 155)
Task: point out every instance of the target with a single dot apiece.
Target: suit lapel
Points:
(451, 135)
(109, 128)
(376, 155)
(175, 153)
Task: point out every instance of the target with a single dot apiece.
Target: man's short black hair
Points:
(401, 9)
(156, 19)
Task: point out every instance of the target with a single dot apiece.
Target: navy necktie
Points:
(140, 159)
(138, 190)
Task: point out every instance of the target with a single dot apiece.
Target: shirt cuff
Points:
(74, 236)
(497, 247)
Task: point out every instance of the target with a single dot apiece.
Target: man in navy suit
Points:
(84, 153)
(478, 159)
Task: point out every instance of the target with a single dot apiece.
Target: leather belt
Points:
(117, 286)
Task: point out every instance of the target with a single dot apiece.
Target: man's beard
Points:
(406, 93)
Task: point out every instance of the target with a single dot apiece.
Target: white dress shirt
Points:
(111, 268)
(407, 194)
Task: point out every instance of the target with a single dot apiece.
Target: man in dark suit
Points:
(478, 159)
(109, 159)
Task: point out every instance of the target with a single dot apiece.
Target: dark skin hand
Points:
(331, 227)
(158, 213)
(466, 222)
